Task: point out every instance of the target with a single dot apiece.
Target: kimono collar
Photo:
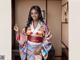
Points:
(37, 27)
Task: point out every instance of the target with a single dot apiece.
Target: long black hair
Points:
(38, 9)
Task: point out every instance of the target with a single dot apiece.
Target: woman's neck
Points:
(35, 23)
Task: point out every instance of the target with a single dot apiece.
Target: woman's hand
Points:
(16, 28)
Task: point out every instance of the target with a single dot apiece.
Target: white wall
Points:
(5, 29)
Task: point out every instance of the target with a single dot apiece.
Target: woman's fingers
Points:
(16, 28)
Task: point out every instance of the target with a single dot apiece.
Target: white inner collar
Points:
(36, 29)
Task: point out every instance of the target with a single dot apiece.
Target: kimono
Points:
(27, 47)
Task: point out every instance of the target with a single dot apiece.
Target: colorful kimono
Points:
(27, 47)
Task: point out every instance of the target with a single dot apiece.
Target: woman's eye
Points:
(31, 13)
(36, 13)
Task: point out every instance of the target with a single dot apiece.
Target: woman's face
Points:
(34, 14)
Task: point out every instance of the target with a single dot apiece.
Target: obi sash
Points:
(35, 39)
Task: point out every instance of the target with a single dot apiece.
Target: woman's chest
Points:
(36, 32)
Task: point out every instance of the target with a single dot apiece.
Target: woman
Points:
(34, 40)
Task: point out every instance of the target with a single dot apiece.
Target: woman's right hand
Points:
(16, 28)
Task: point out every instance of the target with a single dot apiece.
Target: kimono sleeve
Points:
(46, 43)
(21, 37)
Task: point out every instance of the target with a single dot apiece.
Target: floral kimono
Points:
(28, 46)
